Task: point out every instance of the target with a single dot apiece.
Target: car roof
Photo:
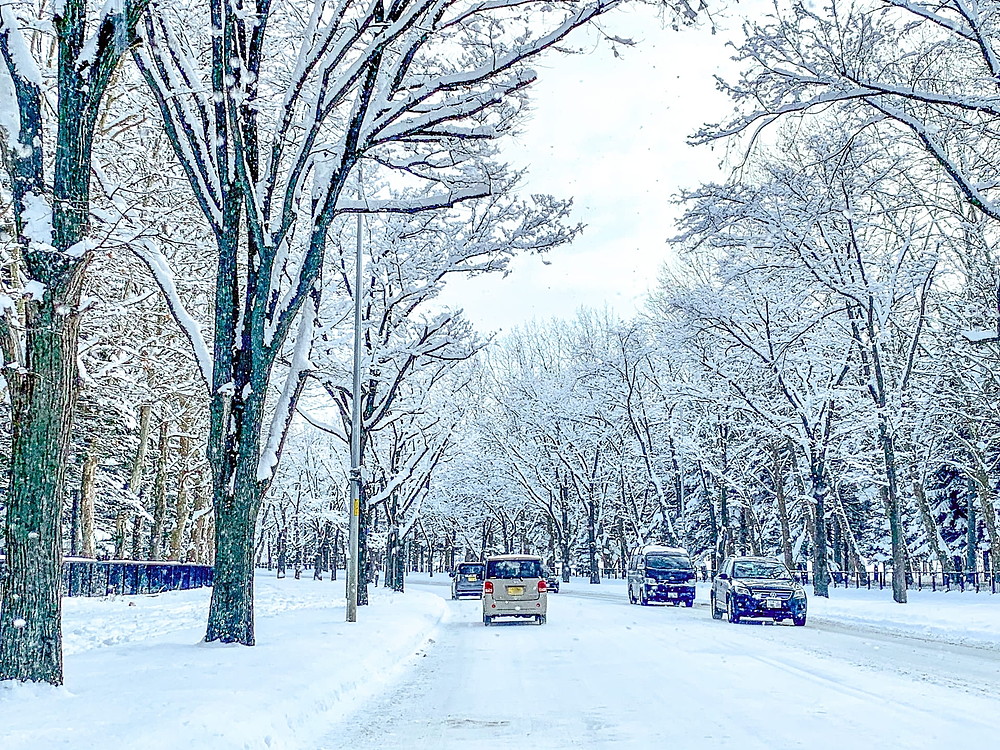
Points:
(757, 558)
(645, 549)
(513, 557)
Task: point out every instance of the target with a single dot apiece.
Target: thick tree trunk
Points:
(892, 503)
(821, 574)
(234, 454)
(230, 616)
(42, 397)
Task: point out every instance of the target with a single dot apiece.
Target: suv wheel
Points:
(487, 620)
(716, 612)
(631, 596)
(643, 600)
(731, 608)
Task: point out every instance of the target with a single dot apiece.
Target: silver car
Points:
(467, 580)
(515, 586)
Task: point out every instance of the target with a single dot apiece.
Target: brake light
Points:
(488, 587)
(542, 586)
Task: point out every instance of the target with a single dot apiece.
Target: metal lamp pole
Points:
(355, 510)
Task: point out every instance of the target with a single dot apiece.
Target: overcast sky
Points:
(611, 133)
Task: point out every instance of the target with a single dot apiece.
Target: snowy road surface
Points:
(604, 674)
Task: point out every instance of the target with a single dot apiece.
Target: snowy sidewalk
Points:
(137, 676)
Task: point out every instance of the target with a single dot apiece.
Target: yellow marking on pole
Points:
(357, 506)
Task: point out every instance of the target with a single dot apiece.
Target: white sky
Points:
(611, 133)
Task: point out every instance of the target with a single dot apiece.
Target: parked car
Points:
(661, 574)
(757, 587)
(551, 581)
(467, 580)
(515, 586)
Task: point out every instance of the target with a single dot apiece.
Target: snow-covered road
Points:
(604, 674)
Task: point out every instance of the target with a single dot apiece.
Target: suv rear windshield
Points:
(514, 569)
(471, 570)
(664, 561)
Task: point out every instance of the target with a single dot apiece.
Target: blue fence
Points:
(99, 578)
(882, 579)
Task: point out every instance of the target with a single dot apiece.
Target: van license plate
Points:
(515, 590)
(470, 578)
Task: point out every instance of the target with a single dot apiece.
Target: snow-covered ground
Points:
(420, 671)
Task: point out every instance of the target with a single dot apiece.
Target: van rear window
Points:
(514, 569)
(662, 561)
(471, 570)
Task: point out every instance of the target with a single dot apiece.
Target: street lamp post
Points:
(355, 499)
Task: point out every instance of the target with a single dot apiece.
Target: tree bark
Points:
(181, 507)
(892, 506)
(778, 469)
(43, 395)
(156, 534)
(821, 574)
(87, 490)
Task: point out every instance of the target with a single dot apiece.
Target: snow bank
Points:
(137, 675)
(951, 616)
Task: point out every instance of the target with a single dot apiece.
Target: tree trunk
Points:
(121, 534)
(892, 503)
(156, 534)
(282, 554)
(821, 574)
(181, 507)
(42, 397)
(234, 454)
(985, 495)
(364, 564)
(931, 530)
(595, 574)
(200, 535)
(779, 495)
(87, 504)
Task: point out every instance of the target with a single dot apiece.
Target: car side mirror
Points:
(451, 574)
(723, 576)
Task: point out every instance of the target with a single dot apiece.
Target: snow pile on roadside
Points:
(137, 675)
(956, 617)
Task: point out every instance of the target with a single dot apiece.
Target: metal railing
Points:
(882, 579)
(125, 577)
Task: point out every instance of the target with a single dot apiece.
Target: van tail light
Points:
(542, 586)
(488, 587)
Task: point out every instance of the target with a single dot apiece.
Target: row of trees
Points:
(815, 376)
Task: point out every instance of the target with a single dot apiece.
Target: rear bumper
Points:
(670, 592)
(514, 608)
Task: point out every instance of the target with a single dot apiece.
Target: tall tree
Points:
(272, 145)
(43, 271)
